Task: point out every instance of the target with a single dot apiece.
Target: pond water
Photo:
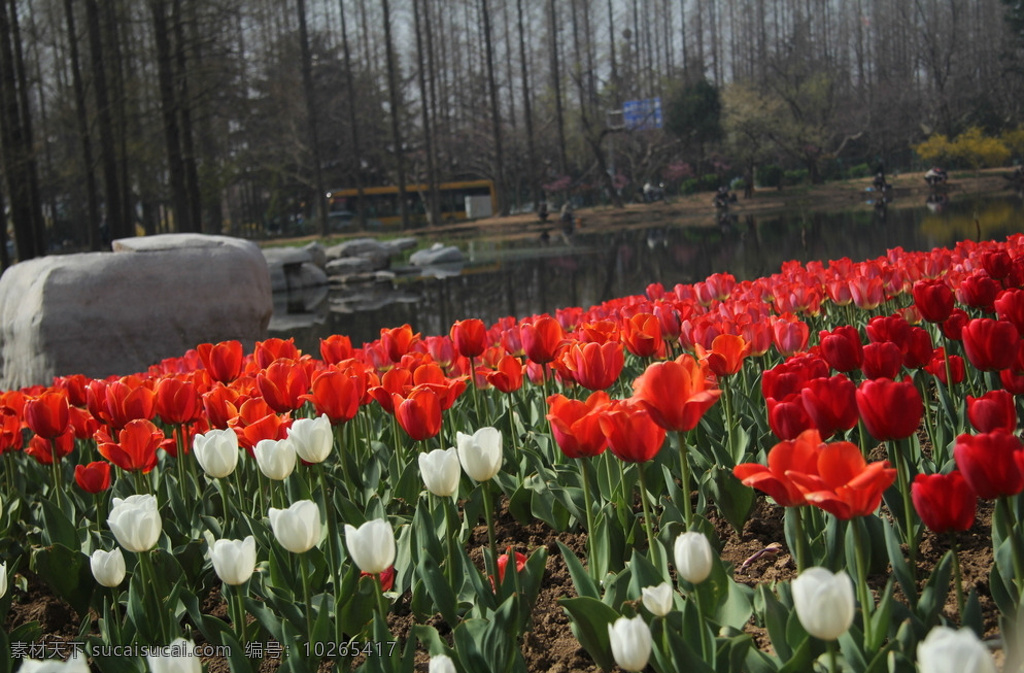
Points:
(527, 276)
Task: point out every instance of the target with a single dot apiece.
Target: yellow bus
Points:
(381, 206)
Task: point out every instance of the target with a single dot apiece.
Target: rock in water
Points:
(105, 313)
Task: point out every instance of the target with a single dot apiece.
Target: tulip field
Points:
(273, 510)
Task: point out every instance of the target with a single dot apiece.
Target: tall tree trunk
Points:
(353, 125)
(319, 203)
(556, 84)
(531, 150)
(188, 148)
(396, 125)
(31, 167)
(117, 225)
(433, 209)
(492, 85)
(109, 29)
(169, 110)
(82, 120)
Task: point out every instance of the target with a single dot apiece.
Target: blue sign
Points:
(642, 115)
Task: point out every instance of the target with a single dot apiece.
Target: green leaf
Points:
(438, 588)
(733, 499)
(774, 616)
(581, 581)
(57, 527)
(67, 572)
(900, 569)
(590, 620)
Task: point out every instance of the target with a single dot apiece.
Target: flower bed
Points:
(273, 508)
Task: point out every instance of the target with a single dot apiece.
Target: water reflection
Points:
(577, 268)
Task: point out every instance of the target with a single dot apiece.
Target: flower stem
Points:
(863, 590)
(492, 561)
(802, 546)
(684, 474)
(958, 580)
(901, 449)
(307, 603)
(588, 505)
(651, 542)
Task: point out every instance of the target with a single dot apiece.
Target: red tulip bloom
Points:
(46, 450)
(882, 360)
(266, 352)
(867, 291)
(788, 417)
(894, 328)
(94, 477)
(1012, 381)
(419, 414)
(221, 405)
(502, 564)
(576, 425)
(283, 385)
(918, 348)
(176, 401)
(10, 430)
(831, 404)
(992, 463)
(48, 414)
(507, 376)
(944, 501)
(222, 360)
(335, 348)
(845, 484)
(1009, 306)
(797, 455)
(469, 337)
(541, 339)
(952, 329)
(633, 436)
(934, 299)
(127, 399)
(728, 351)
(592, 365)
(397, 341)
(74, 387)
(789, 334)
(937, 366)
(790, 376)
(386, 578)
(842, 348)
(978, 290)
(890, 409)
(256, 421)
(990, 345)
(995, 410)
(336, 393)
(997, 263)
(135, 448)
(675, 393)
(642, 335)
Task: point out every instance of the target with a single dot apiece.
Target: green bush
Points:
(795, 177)
(858, 171)
(688, 186)
(769, 176)
(709, 182)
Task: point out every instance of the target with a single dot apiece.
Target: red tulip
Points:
(995, 410)
(952, 329)
(944, 501)
(726, 355)
(336, 393)
(48, 414)
(937, 366)
(542, 339)
(867, 291)
(335, 348)
(135, 448)
(266, 352)
(576, 425)
(94, 477)
(990, 345)
(992, 463)
(397, 341)
(222, 360)
(845, 484)
(10, 430)
(934, 299)
(675, 393)
(789, 377)
(842, 348)
(918, 348)
(642, 335)
(788, 417)
(890, 409)
(283, 384)
(797, 455)
(789, 334)
(997, 263)
(1009, 306)
(221, 405)
(831, 404)
(419, 413)
(507, 376)
(632, 434)
(176, 401)
(255, 421)
(592, 365)
(469, 337)
(882, 360)
(46, 450)
(978, 290)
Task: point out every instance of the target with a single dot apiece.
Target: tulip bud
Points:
(108, 567)
(658, 599)
(276, 458)
(234, 560)
(440, 471)
(480, 453)
(297, 528)
(945, 650)
(312, 438)
(178, 657)
(371, 546)
(217, 452)
(693, 556)
(441, 663)
(631, 642)
(135, 522)
(76, 663)
(824, 602)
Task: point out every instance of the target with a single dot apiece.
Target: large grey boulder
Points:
(293, 269)
(106, 313)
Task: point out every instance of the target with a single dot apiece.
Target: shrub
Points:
(709, 182)
(769, 176)
(795, 177)
(858, 171)
(688, 186)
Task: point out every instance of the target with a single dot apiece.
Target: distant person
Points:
(542, 211)
(935, 176)
(567, 214)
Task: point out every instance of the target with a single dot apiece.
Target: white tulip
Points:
(480, 453)
(441, 663)
(234, 560)
(135, 522)
(3, 579)
(178, 657)
(694, 557)
(76, 663)
(824, 602)
(946, 650)
(631, 642)
(276, 458)
(298, 527)
(371, 546)
(216, 452)
(108, 567)
(313, 438)
(658, 599)
(440, 471)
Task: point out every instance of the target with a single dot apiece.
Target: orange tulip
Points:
(10, 430)
(335, 348)
(256, 421)
(419, 414)
(222, 360)
(48, 414)
(469, 337)
(283, 384)
(507, 376)
(46, 450)
(176, 401)
(726, 355)
(845, 484)
(642, 335)
(576, 425)
(595, 366)
(221, 405)
(632, 433)
(542, 339)
(798, 455)
(135, 448)
(118, 402)
(337, 394)
(265, 352)
(397, 341)
(675, 393)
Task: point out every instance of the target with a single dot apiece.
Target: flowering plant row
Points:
(876, 402)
